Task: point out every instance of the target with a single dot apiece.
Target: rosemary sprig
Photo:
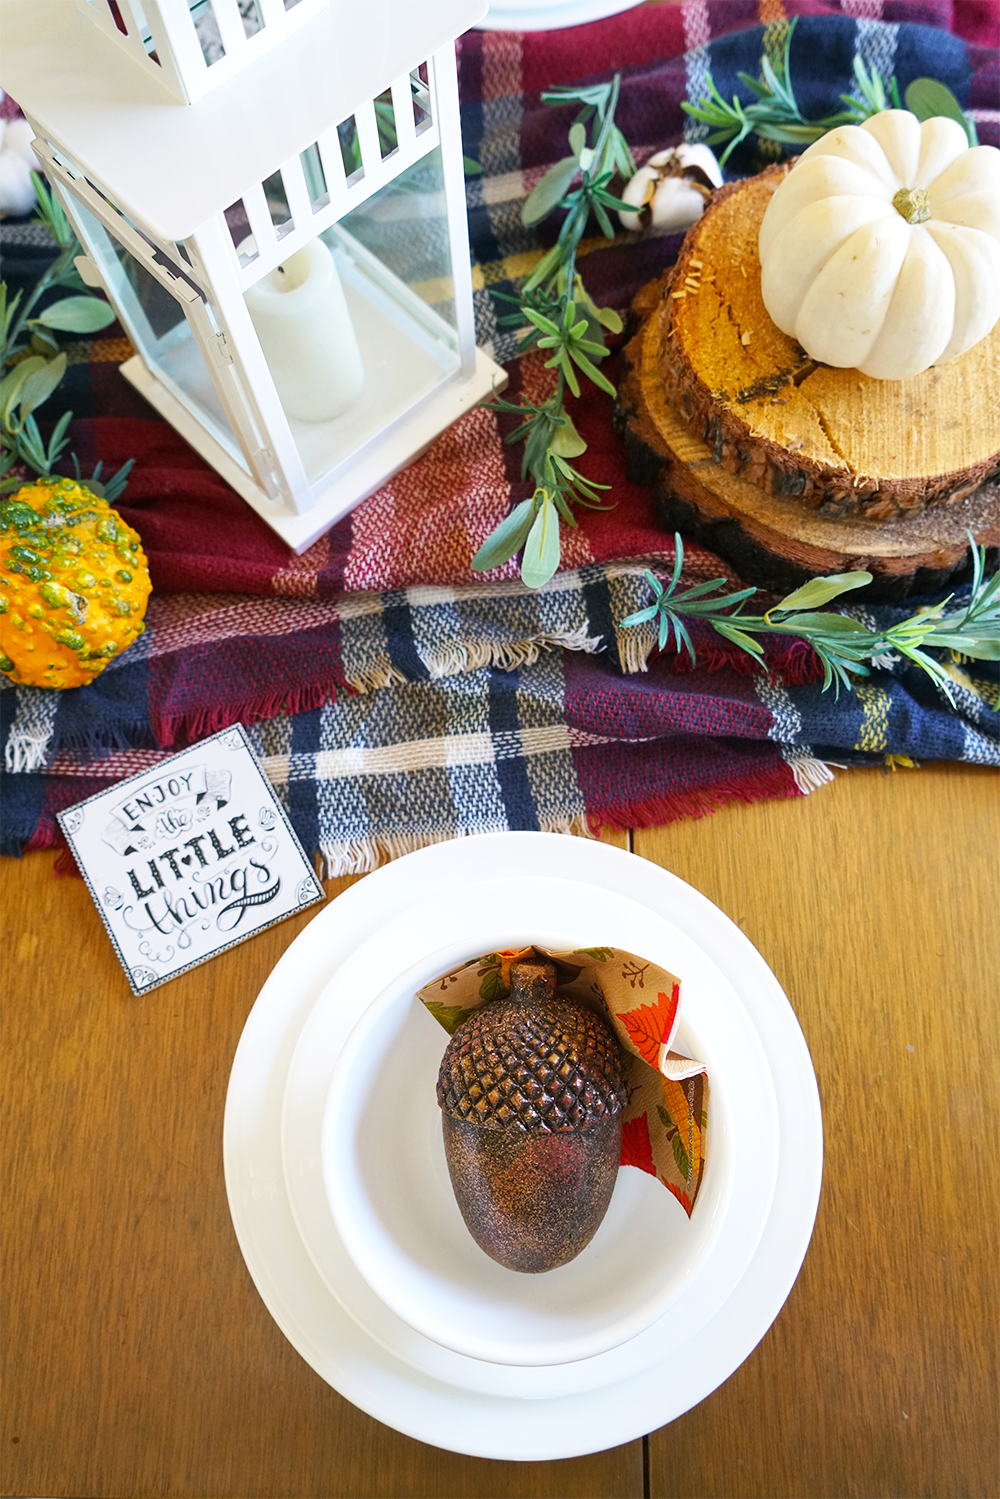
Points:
(775, 114)
(846, 647)
(559, 316)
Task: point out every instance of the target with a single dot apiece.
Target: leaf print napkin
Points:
(666, 1120)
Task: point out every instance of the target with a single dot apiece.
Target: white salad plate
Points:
(380, 1361)
(388, 1200)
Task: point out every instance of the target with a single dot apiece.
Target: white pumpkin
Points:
(880, 251)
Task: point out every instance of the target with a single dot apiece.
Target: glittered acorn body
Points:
(532, 1096)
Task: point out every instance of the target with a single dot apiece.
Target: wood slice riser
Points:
(777, 519)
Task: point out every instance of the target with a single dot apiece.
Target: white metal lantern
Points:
(289, 254)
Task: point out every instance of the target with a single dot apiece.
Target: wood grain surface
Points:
(140, 1361)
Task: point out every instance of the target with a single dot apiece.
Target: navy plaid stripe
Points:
(511, 770)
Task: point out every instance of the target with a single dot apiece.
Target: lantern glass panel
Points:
(400, 236)
(393, 258)
(156, 324)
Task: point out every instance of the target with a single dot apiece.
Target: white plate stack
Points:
(340, 1195)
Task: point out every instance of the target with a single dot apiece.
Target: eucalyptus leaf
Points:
(77, 315)
(542, 549)
(508, 538)
(927, 98)
(836, 624)
(40, 385)
(7, 311)
(566, 440)
(821, 590)
(608, 318)
(11, 383)
(43, 343)
(577, 138)
(982, 648)
(549, 192)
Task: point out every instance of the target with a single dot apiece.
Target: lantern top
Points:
(191, 46)
(176, 165)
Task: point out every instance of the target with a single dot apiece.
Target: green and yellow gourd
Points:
(74, 583)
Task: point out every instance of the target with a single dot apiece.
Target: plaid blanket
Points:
(395, 697)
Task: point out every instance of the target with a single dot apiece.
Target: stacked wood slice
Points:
(787, 468)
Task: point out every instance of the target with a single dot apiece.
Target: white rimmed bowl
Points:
(387, 1181)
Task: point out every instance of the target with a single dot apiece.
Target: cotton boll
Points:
(677, 204)
(671, 190)
(17, 192)
(691, 161)
(638, 191)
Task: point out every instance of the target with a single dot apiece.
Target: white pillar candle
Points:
(300, 313)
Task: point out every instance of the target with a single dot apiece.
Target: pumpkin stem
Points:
(913, 203)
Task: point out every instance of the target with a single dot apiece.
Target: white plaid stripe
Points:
(787, 721)
(785, 730)
(976, 702)
(979, 750)
(31, 730)
(876, 44)
(697, 33)
(546, 744)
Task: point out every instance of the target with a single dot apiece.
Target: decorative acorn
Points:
(532, 1097)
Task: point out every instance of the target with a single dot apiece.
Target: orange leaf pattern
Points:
(649, 1026)
(636, 1149)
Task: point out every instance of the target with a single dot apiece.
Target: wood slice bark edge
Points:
(775, 544)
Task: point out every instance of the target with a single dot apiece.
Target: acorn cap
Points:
(532, 1061)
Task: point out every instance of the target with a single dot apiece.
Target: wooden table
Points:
(140, 1360)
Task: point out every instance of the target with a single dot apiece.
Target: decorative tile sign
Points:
(187, 859)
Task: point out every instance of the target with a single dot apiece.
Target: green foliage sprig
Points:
(776, 116)
(31, 364)
(846, 647)
(558, 316)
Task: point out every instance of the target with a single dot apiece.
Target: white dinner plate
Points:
(378, 1380)
(646, 1257)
